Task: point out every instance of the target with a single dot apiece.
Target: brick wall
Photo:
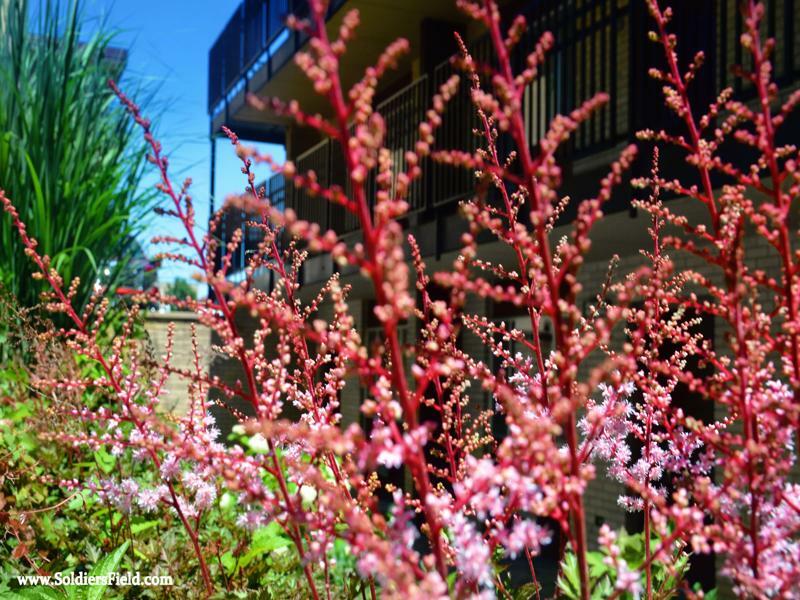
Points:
(474, 347)
(156, 325)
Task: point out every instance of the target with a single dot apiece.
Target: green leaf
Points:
(668, 582)
(597, 566)
(228, 562)
(105, 460)
(265, 540)
(451, 580)
(82, 500)
(602, 589)
(632, 547)
(569, 580)
(526, 592)
(110, 562)
(21, 412)
(104, 568)
(35, 593)
(40, 210)
(141, 555)
(27, 441)
(141, 526)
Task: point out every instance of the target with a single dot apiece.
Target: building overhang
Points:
(276, 75)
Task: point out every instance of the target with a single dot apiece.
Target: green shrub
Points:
(68, 156)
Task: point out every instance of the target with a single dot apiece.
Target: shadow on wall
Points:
(230, 373)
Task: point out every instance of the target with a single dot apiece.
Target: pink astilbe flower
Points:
(149, 499)
(472, 553)
(474, 500)
(751, 448)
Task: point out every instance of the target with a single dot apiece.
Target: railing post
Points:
(722, 67)
(613, 63)
(788, 37)
(329, 180)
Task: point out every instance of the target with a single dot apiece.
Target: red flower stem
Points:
(782, 201)
(168, 189)
(418, 464)
(561, 330)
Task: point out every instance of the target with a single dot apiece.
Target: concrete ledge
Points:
(178, 315)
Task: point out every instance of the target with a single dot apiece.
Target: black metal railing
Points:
(254, 35)
(590, 54)
(600, 45)
(235, 220)
(597, 47)
(402, 113)
(316, 162)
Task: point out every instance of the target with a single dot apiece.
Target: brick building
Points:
(601, 45)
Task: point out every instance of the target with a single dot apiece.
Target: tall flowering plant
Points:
(747, 503)
(474, 502)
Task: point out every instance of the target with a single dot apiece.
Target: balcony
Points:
(600, 45)
(254, 52)
(588, 39)
(254, 43)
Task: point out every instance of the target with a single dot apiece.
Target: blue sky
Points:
(168, 41)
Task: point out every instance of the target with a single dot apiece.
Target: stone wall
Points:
(157, 325)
